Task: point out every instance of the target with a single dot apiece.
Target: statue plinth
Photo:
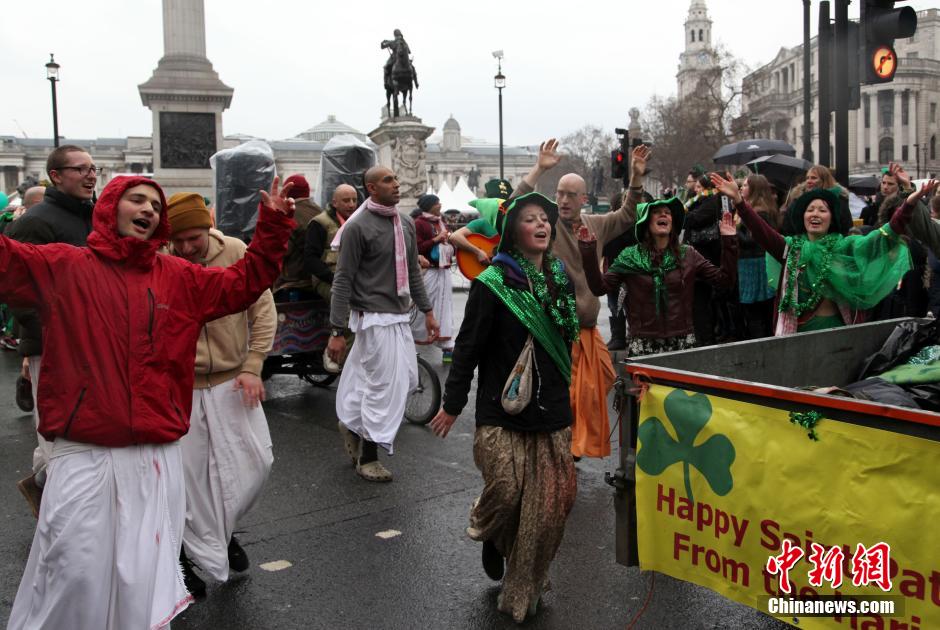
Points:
(187, 98)
(402, 143)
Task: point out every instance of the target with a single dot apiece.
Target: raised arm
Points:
(599, 285)
(766, 236)
(547, 160)
(28, 271)
(725, 276)
(903, 216)
(607, 227)
(223, 291)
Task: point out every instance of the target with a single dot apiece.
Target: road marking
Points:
(276, 565)
(388, 533)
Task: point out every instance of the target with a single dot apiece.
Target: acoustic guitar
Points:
(467, 263)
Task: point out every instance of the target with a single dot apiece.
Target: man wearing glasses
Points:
(592, 373)
(63, 216)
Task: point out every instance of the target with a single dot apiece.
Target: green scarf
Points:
(531, 314)
(855, 271)
(638, 259)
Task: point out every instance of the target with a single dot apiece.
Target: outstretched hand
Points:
(442, 422)
(726, 226)
(897, 171)
(927, 188)
(278, 199)
(727, 187)
(548, 155)
(585, 236)
(639, 158)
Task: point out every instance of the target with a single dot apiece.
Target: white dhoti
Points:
(379, 373)
(226, 461)
(439, 285)
(44, 448)
(105, 554)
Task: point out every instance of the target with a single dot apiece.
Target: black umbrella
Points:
(864, 184)
(780, 169)
(747, 150)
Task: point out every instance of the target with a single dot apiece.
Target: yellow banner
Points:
(721, 484)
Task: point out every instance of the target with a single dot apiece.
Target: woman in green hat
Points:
(827, 279)
(659, 275)
(518, 327)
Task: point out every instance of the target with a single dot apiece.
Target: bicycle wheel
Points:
(424, 401)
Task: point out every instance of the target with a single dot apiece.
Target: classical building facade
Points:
(450, 155)
(698, 61)
(897, 121)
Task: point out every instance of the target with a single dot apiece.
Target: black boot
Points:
(618, 334)
(194, 584)
(492, 561)
(237, 558)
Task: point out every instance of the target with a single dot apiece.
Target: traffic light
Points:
(618, 164)
(881, 24)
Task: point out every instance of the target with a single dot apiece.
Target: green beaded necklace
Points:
(822, 271)
(562, 310)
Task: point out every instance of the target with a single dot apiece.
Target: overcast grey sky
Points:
(293, 62)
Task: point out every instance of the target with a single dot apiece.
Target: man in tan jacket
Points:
(592, 373)
(227, 452)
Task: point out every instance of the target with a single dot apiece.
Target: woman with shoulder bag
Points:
(518, 328)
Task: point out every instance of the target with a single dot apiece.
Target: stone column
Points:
(187, 98)
(873, 126)
(402, 146)
(897, 128)
(912, 124)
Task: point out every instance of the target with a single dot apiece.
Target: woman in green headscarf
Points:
(827, 279)
(659, 275)
(523, 449)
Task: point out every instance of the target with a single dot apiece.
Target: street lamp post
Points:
(52, 73)
(500, 82)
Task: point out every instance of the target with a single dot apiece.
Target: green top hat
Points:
(644, 210)
(498, 188)
(798, 208)
(510, 209)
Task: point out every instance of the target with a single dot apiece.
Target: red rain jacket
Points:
(120, 323)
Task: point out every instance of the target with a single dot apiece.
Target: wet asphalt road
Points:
(319, 517)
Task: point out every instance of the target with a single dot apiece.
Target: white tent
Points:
(458, 198)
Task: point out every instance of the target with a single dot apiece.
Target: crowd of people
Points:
(152, 440)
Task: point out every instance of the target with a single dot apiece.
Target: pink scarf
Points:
(445, 251)
(401, 257)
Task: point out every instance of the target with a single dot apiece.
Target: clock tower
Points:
(698, 59)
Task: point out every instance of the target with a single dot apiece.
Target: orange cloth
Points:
(592, 377)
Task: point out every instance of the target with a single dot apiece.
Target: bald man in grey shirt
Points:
(377, 277)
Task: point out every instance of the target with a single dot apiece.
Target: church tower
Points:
(698, 56)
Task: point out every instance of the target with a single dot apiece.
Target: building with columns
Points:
(698, 61)
(897, 121)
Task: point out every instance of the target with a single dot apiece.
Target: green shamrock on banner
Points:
(688, 415)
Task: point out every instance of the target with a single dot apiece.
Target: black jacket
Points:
(490, 339)
(58, 218)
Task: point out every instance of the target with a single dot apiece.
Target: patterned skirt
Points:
(642, 346)
(529, 487)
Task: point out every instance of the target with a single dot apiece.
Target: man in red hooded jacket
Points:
(116, 399)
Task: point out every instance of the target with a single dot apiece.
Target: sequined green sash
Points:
(529, 312)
